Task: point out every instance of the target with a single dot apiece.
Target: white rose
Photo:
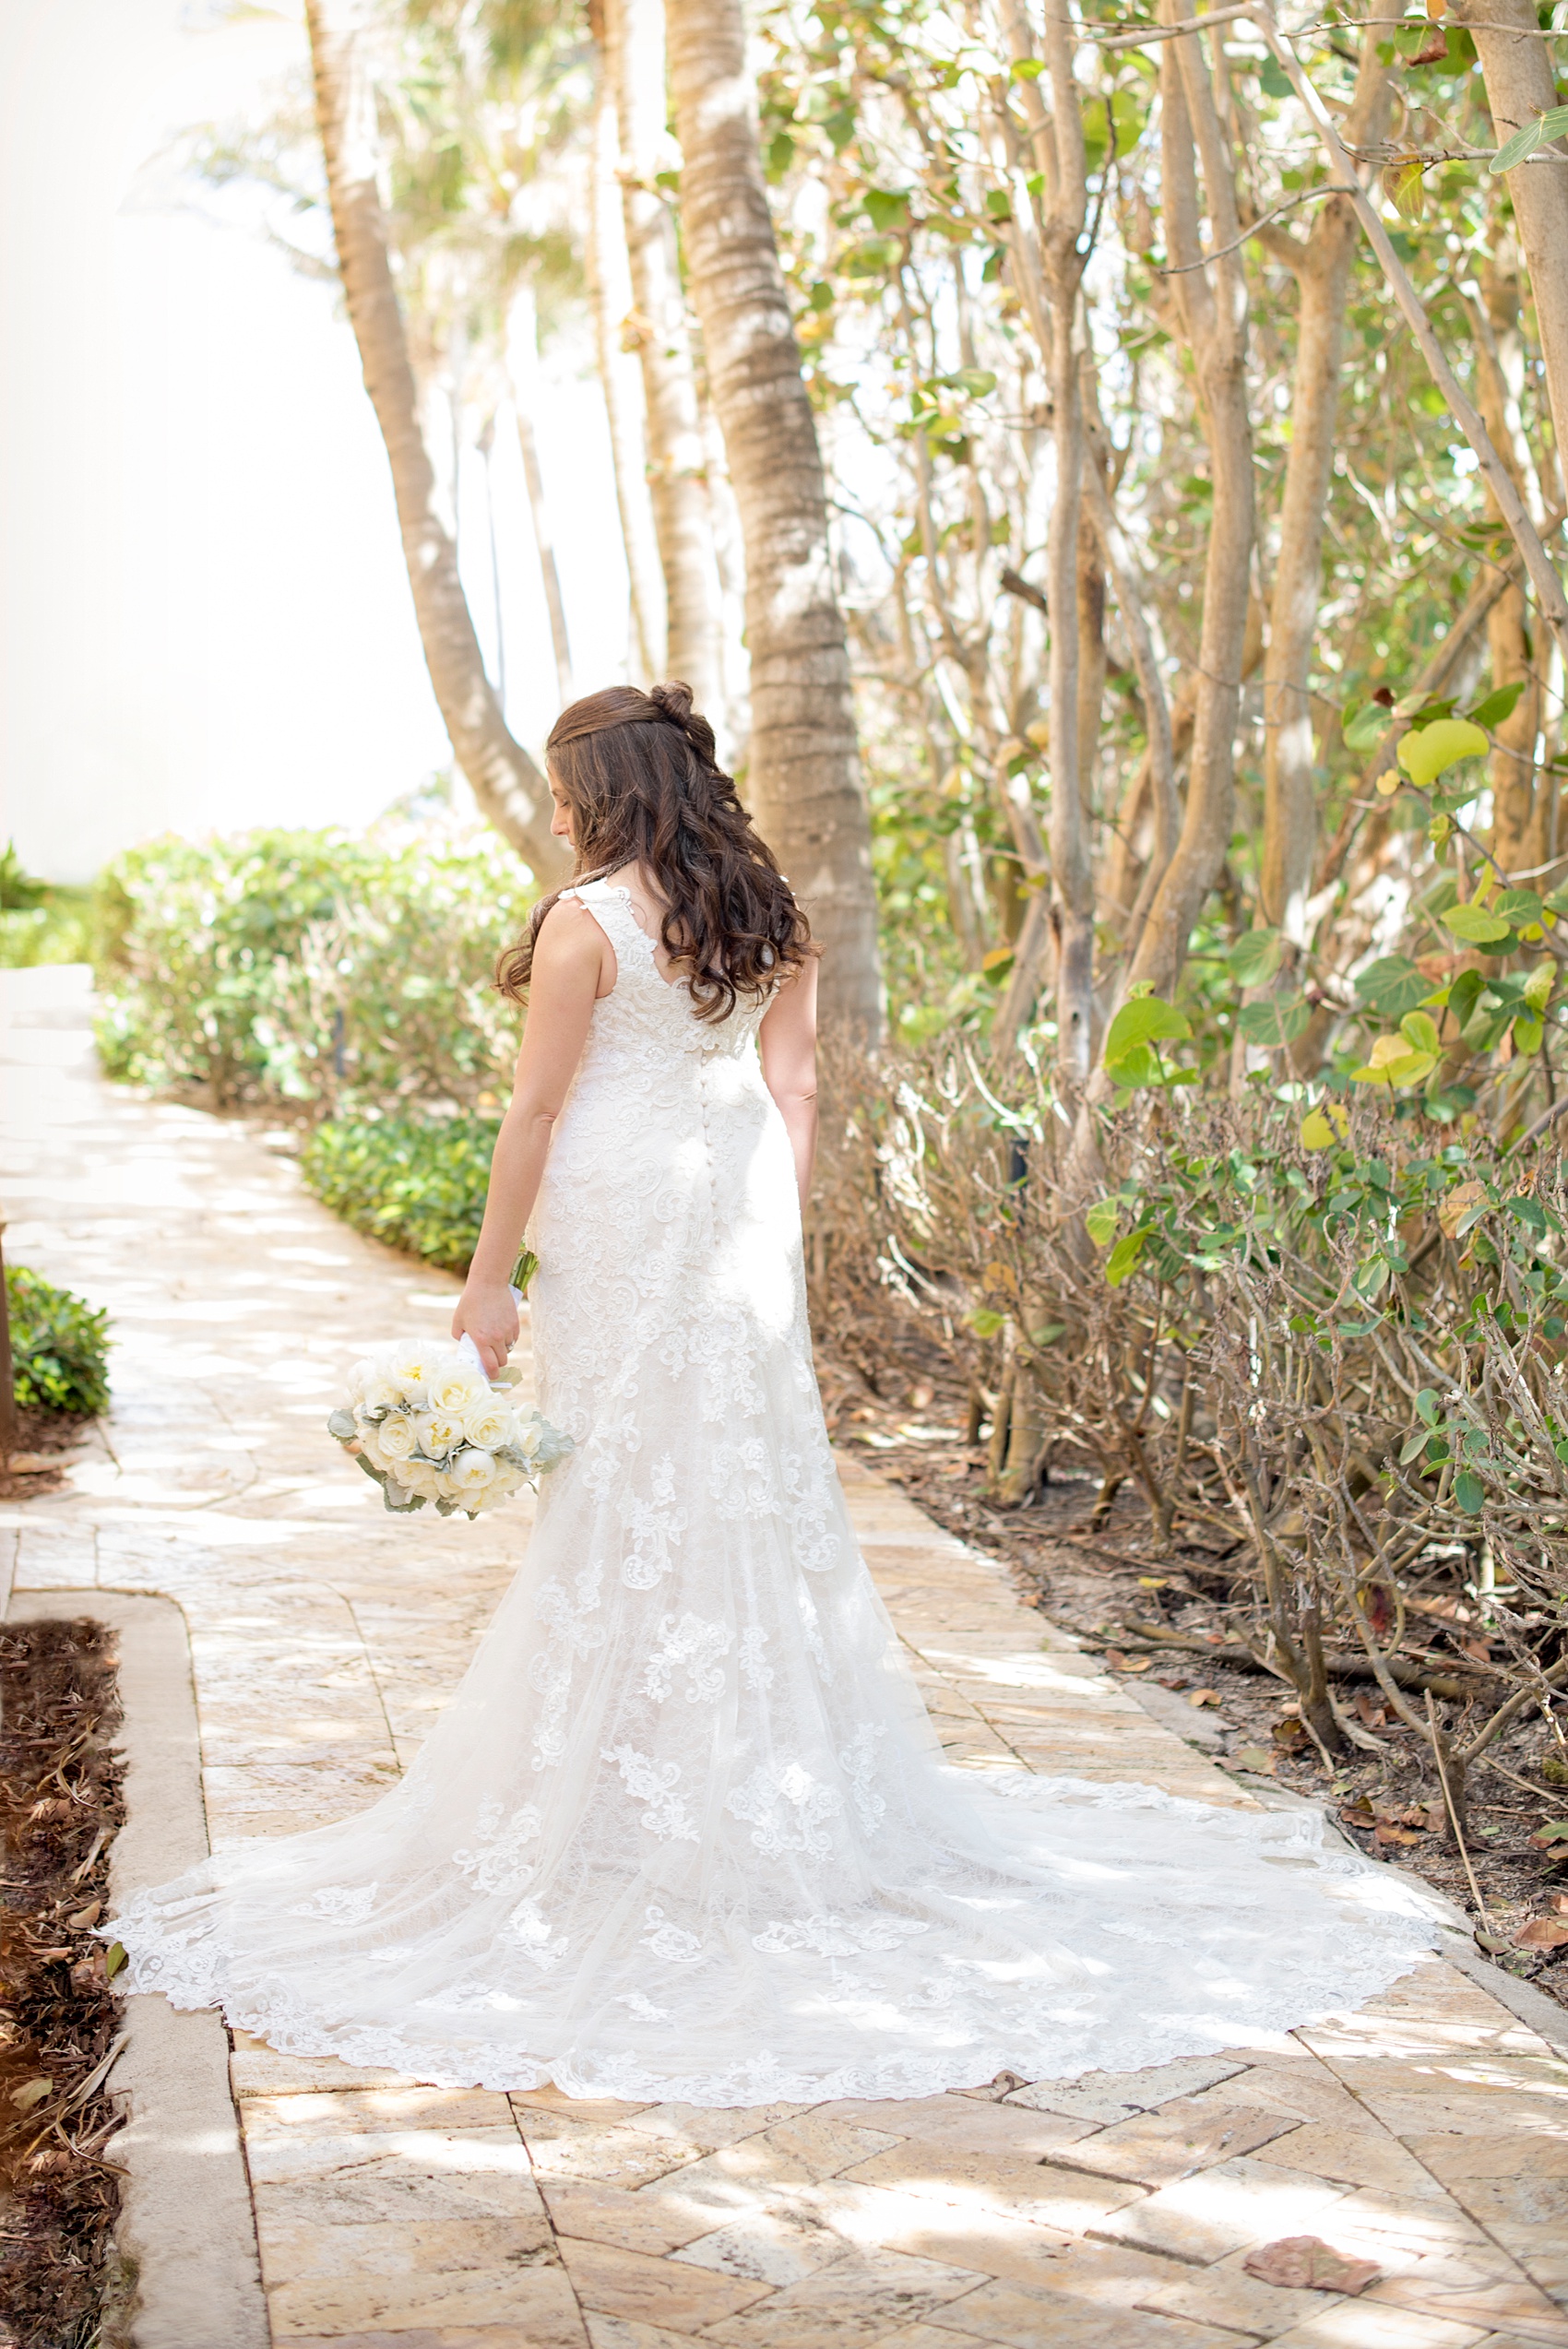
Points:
(382, 1393)
(412, 1371)
(439, 1432)
(489, 1425)
(471, 1472)
(417, 1475)
(453, 1387)
(393, 1439)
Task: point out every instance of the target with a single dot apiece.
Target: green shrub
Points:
(417, 1184)
(313, 969)
(59, 1346)
(41, 921)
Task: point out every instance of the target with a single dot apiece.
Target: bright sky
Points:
(204, 619)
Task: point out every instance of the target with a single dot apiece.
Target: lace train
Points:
(685, 1832)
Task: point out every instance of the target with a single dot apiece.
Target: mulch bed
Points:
(61, 2286)
(39, 1432)
(1098, 1580)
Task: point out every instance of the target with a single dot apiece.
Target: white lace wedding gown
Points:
(686, 1831)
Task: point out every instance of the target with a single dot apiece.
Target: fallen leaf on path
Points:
(1203, 1696)
(1305, 2263)
(1257, 1758)
(1384, 1834)
(1542, 1933)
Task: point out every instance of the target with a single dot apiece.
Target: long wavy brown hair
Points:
(644, 787)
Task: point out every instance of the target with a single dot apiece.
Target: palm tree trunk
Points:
(802, 780)
(656, 327)
(509, 788)
(522, 366)
(610, 296)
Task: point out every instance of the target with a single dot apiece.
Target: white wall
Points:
(204, 619)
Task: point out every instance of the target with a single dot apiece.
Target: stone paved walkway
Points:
(1428, 2134)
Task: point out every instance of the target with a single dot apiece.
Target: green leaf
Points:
(1476, 925)
(114, 1959)
(1323, 1127)
(1526, 1033)
(1420, 1031)
(1122, 1260)
(1469, 1492)
(1101, 1220)
(1273, 79)
(1412, 1444)
(1272, 1024)
(1393, 986)
(1556, 1831)
(986, 1323)
(1427, 751)
(1146, 1020)
(1025, 69)
(1426, 1406)
(1256, 956)
(1498, 706)
(1524, 143)
(1364, 729)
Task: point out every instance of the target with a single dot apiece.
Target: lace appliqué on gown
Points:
(686, 1831)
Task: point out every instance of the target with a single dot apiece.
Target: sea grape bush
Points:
(313, 971)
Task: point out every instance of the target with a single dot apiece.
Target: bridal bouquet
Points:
(428, 1424)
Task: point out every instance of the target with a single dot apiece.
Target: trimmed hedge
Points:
(59, 1346)
(416, 1183)
(315, 970)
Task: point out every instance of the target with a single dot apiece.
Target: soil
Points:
(61, 2284)
(1096, 1578)
(38, 1432)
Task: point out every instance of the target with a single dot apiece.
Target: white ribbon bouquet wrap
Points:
(428, 1424)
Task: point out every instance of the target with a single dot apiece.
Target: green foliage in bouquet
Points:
(314, 970)
(416, 1183)
(59, 1346)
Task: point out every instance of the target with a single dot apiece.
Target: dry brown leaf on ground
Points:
(1543, 1933)
(1306, 2263)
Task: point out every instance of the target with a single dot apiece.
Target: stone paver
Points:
(1428, 2133)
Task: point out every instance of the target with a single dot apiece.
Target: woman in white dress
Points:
(686, 1831)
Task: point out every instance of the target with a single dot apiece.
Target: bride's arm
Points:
(787, 1042)
(568, 972)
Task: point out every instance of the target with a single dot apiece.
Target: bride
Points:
(685, 1831)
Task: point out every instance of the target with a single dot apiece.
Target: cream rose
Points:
(454, 1388)
(418, 1477)
(393, 1439)
(439, 1432)
(489, 1425)
(471, 1472)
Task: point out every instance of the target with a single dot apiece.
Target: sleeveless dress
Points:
(686, 1831)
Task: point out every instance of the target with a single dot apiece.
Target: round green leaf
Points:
(1146, 1020)
(1476, 925)
(1427, 751)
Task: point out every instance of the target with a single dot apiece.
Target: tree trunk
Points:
(1322, 264)
(522, 366)
(1213, 320)
(1518, 834)
(1517, 69)
(610, 296)
(656, 329)
(802, 783)
(508, 784)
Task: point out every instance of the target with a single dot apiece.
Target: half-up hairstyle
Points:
(639, 775)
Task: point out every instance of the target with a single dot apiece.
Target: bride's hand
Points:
(488, 1313)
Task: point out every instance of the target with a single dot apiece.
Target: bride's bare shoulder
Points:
(571, 945)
